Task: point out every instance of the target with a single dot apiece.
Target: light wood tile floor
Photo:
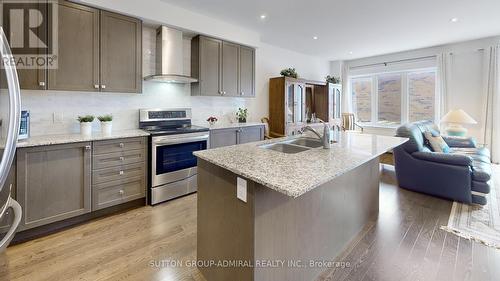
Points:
(405, 243)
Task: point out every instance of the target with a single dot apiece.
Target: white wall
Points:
(124, 107)
(468, 69)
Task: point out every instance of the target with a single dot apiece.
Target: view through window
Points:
(391, 99)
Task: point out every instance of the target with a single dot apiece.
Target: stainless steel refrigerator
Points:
(10, 112)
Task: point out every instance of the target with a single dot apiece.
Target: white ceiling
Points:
(363, 27)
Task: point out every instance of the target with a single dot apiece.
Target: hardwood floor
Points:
(405, 243)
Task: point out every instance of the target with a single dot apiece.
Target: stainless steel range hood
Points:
(169, 58)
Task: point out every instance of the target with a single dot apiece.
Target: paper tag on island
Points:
(241, 189)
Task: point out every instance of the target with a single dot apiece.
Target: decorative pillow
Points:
(437, 143)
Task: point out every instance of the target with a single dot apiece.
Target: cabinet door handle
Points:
(103, 86)
(88, 147)
(242, 93)
(121, 145)
(122, 158)
(41, 83)
(96, 86)
(121, 192)
(121, 173)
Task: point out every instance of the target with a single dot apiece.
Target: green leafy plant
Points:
(85, 118)
(289, 72)
(242, 114)
(105, 118)
(333, 79)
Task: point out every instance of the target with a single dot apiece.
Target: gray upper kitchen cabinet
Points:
(230, 71)
(222, 68)
(78, 55)
(238, 135)
(246, 72)
(206, 56)
(53, 182)
(31, 76)
(121, 53)
(250, 134)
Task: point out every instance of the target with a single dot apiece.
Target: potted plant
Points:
(242, 115)
(212, 120)
(86, 124)
(106, 124)
(289, 72)
(333, 79)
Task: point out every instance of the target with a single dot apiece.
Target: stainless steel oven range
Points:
(172, 143)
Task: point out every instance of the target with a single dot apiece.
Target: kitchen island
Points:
(284, 209)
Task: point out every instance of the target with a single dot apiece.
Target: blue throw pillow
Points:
(437, 143)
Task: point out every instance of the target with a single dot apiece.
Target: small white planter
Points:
(86, 128)
(106, 128)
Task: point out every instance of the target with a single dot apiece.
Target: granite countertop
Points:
(73, 138)
(227, 125)
(296, 174)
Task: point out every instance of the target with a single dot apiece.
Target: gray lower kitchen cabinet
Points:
(238, 135)
(121, 53)
(53, 183)
(250, 134)
(119, 171)
(76, 50)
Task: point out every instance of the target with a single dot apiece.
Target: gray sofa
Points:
(461, 175)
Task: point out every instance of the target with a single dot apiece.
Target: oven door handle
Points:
(181, 140)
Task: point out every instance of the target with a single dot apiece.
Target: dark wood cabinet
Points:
(246, 72)
(78, 55)
(222, 68)
(121, 53)
(53, 183)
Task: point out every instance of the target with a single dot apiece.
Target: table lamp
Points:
(455, 119)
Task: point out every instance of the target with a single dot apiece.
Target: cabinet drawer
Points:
(119, 145)
(113, 159)
(118, 192)
(118, 173)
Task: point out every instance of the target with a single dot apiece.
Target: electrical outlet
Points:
(241, 189)
(57, 117)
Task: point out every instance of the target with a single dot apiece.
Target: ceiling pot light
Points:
(315, 37)
(454, 20)
(263, 17)
(350, 53)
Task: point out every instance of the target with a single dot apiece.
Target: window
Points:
(361, 94)
(421, 87)
(390, 99)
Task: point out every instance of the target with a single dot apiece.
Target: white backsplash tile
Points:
(125, 107)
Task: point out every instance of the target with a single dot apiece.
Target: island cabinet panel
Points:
(230, 69)
(119, 171)
(247, 72)
(76, 50)
(121, 53)
(53, 183)
(272, 226)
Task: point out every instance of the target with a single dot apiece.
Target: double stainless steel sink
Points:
(294, 145)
